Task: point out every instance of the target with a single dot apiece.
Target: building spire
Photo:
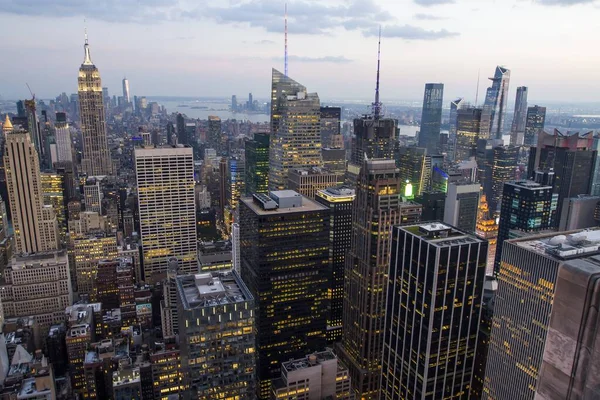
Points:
(377, 104)
(86, 47)
(285, 69)
(8, 126)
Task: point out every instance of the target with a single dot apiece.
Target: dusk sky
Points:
(219, 48)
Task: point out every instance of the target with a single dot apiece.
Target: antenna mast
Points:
(377, 104)
(285, 70)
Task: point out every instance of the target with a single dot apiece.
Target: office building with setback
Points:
(339, 200)
(284, 242)
(434, 297)
(165, 181)
(295, 130)
(378, 206)
(524, 316)
(216, 333)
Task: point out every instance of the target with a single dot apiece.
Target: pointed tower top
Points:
(8, 126)
(377, 104)
(86, 47)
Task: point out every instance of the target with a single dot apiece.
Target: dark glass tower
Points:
(339, 200)
(431, 117)
(376, 209)
(503, 170)
(257, 164)
(434, 297)
(284, 242)
(527, 206)
(411, 161)
(534, 124)
(214, 134)
(330, 124)
(182, 137)
(517, 130)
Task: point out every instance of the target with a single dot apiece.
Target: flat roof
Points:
(162, 151)
(563, 245)
(307, 205)
(208, 289)
(445, 234)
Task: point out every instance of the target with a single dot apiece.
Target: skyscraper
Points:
(524, 305)
(330, 124)
(527, 206)
(96, 157)
(455, 105)
(534, 124)
(517, 131)
(182, 137)
(126, 96)
(411, 163)
(494, 108)
(487, 228)
(434, 296)
(339, 200)
(462, 202)
(295, 129)
(431, 117)
(35, 225)
(468, 126)
(284, 242)
(228, 371)
(376, 209)
(503, 170)
(165, 181)
(214, 139)
(64, 147)
(571, 156)
(257, 164)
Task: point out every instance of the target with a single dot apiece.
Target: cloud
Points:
(429, 3)
(261, 42)
(105, 10)
(326, 59)
(410, 32)
(428, 17)
(564, 3)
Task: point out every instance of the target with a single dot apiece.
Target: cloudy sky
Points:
(224, 47)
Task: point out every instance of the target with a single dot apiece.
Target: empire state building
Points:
(96, 157)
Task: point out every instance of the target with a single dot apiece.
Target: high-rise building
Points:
(572, 158)
(429, 346)
(433, 204)
(494, 108)
(37, 285)
(339, 200)
(374, 138)
(80, 334)
(503, 170)
(234, 105)
(64, 149)
(35, 225)
(579, 212)
(284, 242)
(257, 164)
(96, 157)
(431, 117)
(213, 307)
(167, 376)
(524, 304)
(92, 195)
(468, 126)
(455, 105)
(317, 376)
(295, 130)
(334, 159)
(570, 352)
(309, 181)
(165, 181)
(534, 124)
(181, 132)
(462, 202)
(376, 209)
(487, 228)
(330, 124)
(411, 163)
(214, 138)
(527, 206)
(88, 251)
(53, 190)
(517, 130)
(126, 95)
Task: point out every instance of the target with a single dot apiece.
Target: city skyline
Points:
(329, 44)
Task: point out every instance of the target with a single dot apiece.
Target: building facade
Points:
(257, 164)
(468, 127)
(462, 202)
(308, 182)
(534, 124)
(494, 108)
(517, 130)
(431, 117)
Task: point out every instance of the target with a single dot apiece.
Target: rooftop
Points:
(566, 245)
(36, 260)
(207, 290)
(528, 184)
(338, 193)
(30, 389)
(440, 234)
(307, 204)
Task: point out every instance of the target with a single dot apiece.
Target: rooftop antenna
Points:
(477, 91)
(285, 58)
(377, 105)
(30, 91)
